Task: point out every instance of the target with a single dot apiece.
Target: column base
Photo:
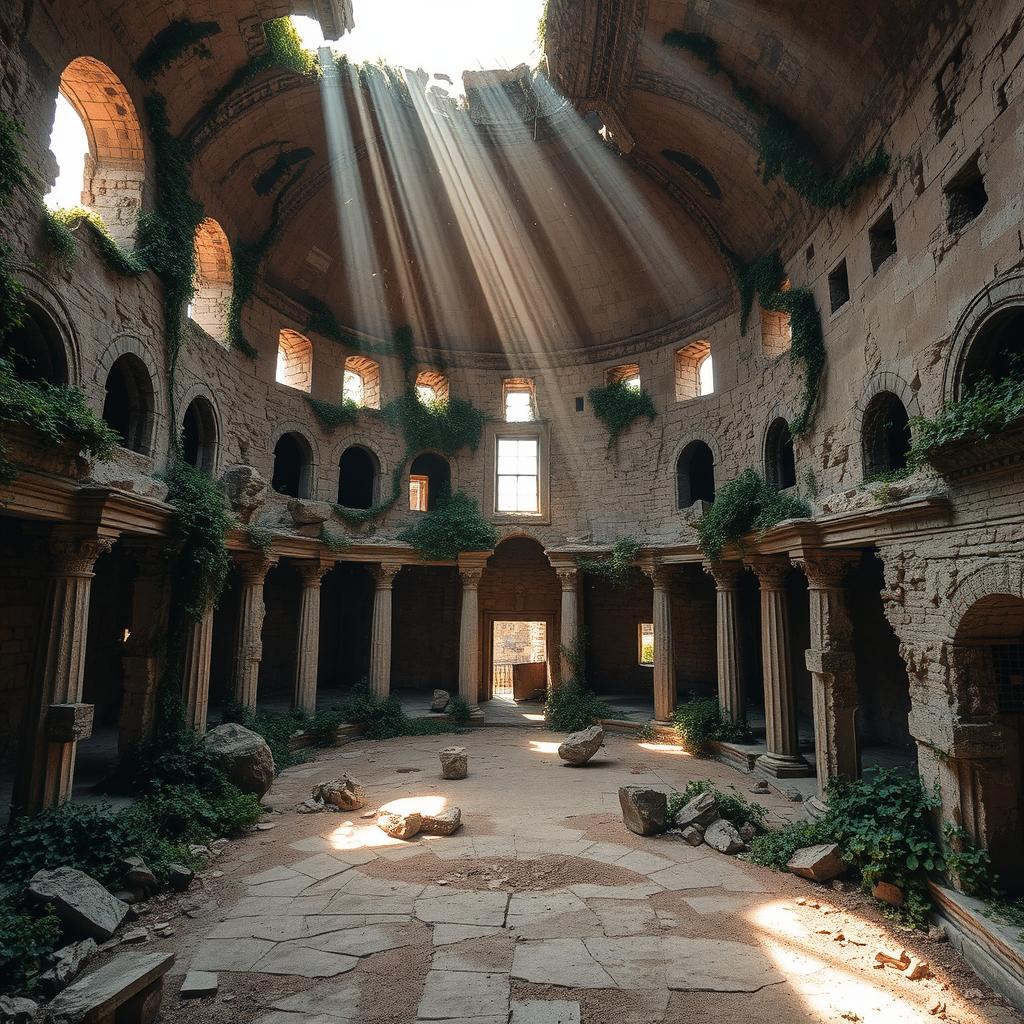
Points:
(815, 807)
(783, 766)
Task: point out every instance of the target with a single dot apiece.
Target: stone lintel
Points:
(67, 723)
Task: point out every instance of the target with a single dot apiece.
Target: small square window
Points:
(645, 643)
(517, 472)
(520, 406)
(966, 196)
(839, 286)
(419, 493)
(882, 240)
(579, 403)
(352, 387)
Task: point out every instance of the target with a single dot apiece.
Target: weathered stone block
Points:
(81, 903)
(818, 863)
(644, 811)
(579, 747)
(68, 723)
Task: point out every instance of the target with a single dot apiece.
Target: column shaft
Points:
(249, 641)
(731, 696)
(664, 649)
(469, 640)
(569, 626)
(380, 635)
(308, 656)
(196, 671)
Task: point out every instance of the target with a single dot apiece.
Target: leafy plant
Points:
(14, 174)
(701, 720)
(968, 865)
(171, 42)
(618, 404)
(447, 425)
(744, 504)
(27, 939)
(454, 524)
(62, 227)
(732, 805)
(333, 415)
(332, 541)
(570, 707)
(775, 849)
(384, 719)
(618, 566)
(458, 709)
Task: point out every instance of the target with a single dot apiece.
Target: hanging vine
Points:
(783, 147)
(453, 525)
(62, 227)
(13, 176)
(616, 567)
(171, 43)
(618, 404)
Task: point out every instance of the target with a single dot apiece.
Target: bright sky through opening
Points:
(442, 37)
(69, 144)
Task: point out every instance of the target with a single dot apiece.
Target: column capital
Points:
(825, 569)
(567, 576)
(312, 573)
(471, 576)
(661, 575)
(253, 568)
(384, 574)
(727, 575)
(770, 570)
(74, 552)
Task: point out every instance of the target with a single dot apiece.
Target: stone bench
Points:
(127, 990)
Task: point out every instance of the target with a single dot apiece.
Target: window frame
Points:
(518, 386)
(423, 481)
(640, 644)
(538, 431)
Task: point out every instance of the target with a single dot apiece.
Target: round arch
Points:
(128, 402)
(885, 437)
(430, 480)
(212, 281)
(200, 434)
(359, 477)
(293, 471)
(38, 293)
(779, 455)
(695, 474)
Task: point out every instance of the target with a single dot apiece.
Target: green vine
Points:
(13, 175)
(168, 45)
(333, 542)
(618, 404)
(61, 228)
(618, 566)
(333, 415)
(764, 278)
(447, 425)
(454, 524)
(744, 504)
(783, 147)
(260, 538)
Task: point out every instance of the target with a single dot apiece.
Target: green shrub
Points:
(732, 805)
(27, 939)
(335, 414)
(458, 709)
(385, 719)
(570, 707)
(447, 425)
(454, 524)
(618, 404)
(775, 849)
(276, 727)
(616, 567)
(701, 720)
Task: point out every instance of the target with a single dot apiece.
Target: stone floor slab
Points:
(565, 962)
(446, 934)
(236, 955)
(625, 917)
(303, 962)
(545, 1011)
(471, 908)
(362, 941)
(471, 995)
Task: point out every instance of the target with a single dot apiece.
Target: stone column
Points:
(142, 649)
(195, 671)
(253, 570)
(469, 636)
(727, 576)
(830, 661)
(664, 649)
(56, 717)
(380, 636)
(569, 632)
(308, 658)
(783, 758)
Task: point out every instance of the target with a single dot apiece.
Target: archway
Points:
(199, 435)
(213, 280)
(997, 350)
(695, 474)
(128, 404)
(35, 349)
(293, 466)
(294, 360)
(358, 470)
(885, 435)
(430, 481)
(779, 460)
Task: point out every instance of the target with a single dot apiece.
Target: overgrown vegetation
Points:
(276, 727)
(732, 805)
(384, 719)
(616, 567)
(183, 35)
(701, 720)
(618, 404)
(333, 415)
(453, 524)
(13, 176)
(570, 705)
(783, 146)
(445, 425)
(27, 939)
(744, 504)
(62, 227)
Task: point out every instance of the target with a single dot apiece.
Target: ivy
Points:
(260, 538)
(701, 720)
(616, 567)
(13, 175)
(61, 227)
(744, 504)
(333, 542)
(764, 278)
(454, 524)
(783, 147)
(168, 45)
(448, 425)
(618, 404)
(732, 805)
(333, 415)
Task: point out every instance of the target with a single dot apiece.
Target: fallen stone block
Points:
(128, 988)
(179, 877)
(440, 700)
(886, 892)
(343, 792)
(721, 835)
(444, 824)
(198, 984)
(701, 810)
(14, 1010)
(137, 875)
(454, 763)
(579, 747)
(747, 832)
(82, 904)
(644, 811)
(818, 863)
(693, 834)
(400, 824)
(311, 806)
(68, 962)
(243, 756)
(760, 787)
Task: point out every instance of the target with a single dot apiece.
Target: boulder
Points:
(82, 904)
(68, 961)
(311, 806)
(308, 513)
(246, 490)
(179, 877)
(454, 763)
(400, 824)
(443, 824)
(886, 892)
(440, 700)
(747, 832)
(579, 747)
(243, 756)
(644, 811)
(17, 1011)
(760, 787)
(722, 836)
(693, 834)
(701, 810)
(137, 875)
(818, 863)
(343, 792)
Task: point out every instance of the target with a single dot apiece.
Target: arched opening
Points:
(293, 466)
(128, 404)
(989, 661)
(997, 351)
(430, 480)
(627, 373)
(885, 435)
(97, 140)
(212, 282)
(361, 383)
(35, 350)
(431, 387)
(779, 460)
(294, 360)
(199, 435)
(695, 474)
(694, 371)
(357, 477)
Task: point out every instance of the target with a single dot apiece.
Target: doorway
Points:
(519, 659)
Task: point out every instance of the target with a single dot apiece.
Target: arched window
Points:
(128, 405)
(431, 387)
(779, 461)
(628, 373)
(357, 478)
(94, 111)
(430, 479)
(694, 375)
(695, 474)
(35, 350)
(293, 466)
(294, 360)
(212, 283)
(997, 351)
(885, 435)
(362, 382)
(199, 435)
